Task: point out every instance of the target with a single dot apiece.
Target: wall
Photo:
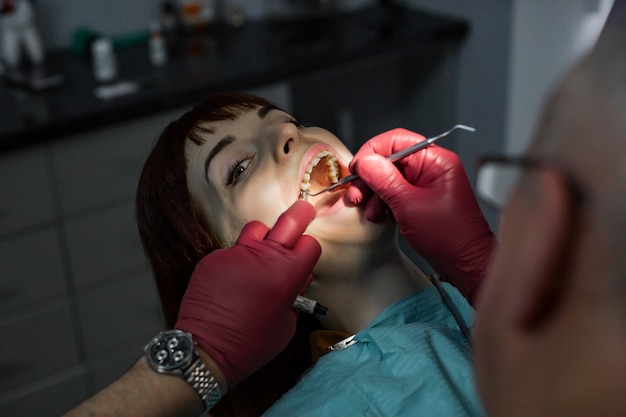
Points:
(483, 77)
(516, 53)
(547, 37)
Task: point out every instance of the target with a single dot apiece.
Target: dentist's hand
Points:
(432, 201)
(238, 302)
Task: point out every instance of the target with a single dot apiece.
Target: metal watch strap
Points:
(199, 377)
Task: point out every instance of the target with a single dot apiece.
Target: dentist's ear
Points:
(552, 236)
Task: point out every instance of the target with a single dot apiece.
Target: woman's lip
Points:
(330, 203)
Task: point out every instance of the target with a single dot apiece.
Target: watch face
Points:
(170, 350)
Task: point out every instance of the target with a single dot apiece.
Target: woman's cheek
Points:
(264, 204)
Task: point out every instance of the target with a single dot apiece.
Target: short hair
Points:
(174, 235)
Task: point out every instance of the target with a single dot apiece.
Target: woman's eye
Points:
(237, 169)
(295, 122)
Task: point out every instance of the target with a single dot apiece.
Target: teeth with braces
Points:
(333, 172)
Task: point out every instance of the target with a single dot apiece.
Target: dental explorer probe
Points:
(394, 157)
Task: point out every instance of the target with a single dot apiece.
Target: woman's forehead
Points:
(209, 132)
(244, 119)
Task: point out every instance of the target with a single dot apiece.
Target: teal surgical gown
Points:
(412, 360)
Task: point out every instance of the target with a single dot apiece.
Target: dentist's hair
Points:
(176, 236)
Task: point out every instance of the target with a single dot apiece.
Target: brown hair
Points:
(175, 237)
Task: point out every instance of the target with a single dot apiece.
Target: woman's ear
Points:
(551, 237)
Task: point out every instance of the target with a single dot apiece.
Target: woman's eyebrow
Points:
(223, 143)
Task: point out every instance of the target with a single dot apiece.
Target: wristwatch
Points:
(174, 352)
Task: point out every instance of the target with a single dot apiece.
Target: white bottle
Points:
(19, 34)
(158, 51)
(103, 60)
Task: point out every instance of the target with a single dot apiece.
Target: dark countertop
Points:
(227, 59)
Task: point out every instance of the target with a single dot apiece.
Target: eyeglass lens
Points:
(494, 182)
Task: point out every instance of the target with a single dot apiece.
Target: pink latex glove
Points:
(432, 201)
(238, 302)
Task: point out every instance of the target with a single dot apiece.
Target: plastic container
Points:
(158, 49)
(103, 60)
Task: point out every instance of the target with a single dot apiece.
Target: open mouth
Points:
(323, 170)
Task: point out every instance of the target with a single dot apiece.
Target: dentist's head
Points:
(551, 330)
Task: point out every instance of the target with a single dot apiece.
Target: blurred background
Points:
(82, 103)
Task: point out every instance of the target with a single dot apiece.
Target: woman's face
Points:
(253, 168)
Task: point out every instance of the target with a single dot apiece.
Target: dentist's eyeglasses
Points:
(497, 175)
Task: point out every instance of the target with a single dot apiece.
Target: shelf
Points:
(226, 59)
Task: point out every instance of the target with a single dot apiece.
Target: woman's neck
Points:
(363, 281)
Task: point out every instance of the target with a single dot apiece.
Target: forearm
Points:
(143, 392)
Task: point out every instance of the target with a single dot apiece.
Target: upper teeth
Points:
(333, 169)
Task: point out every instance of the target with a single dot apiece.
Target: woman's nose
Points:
(288, 140)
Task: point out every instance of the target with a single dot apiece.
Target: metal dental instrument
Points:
(456, 315)
(394, 157)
